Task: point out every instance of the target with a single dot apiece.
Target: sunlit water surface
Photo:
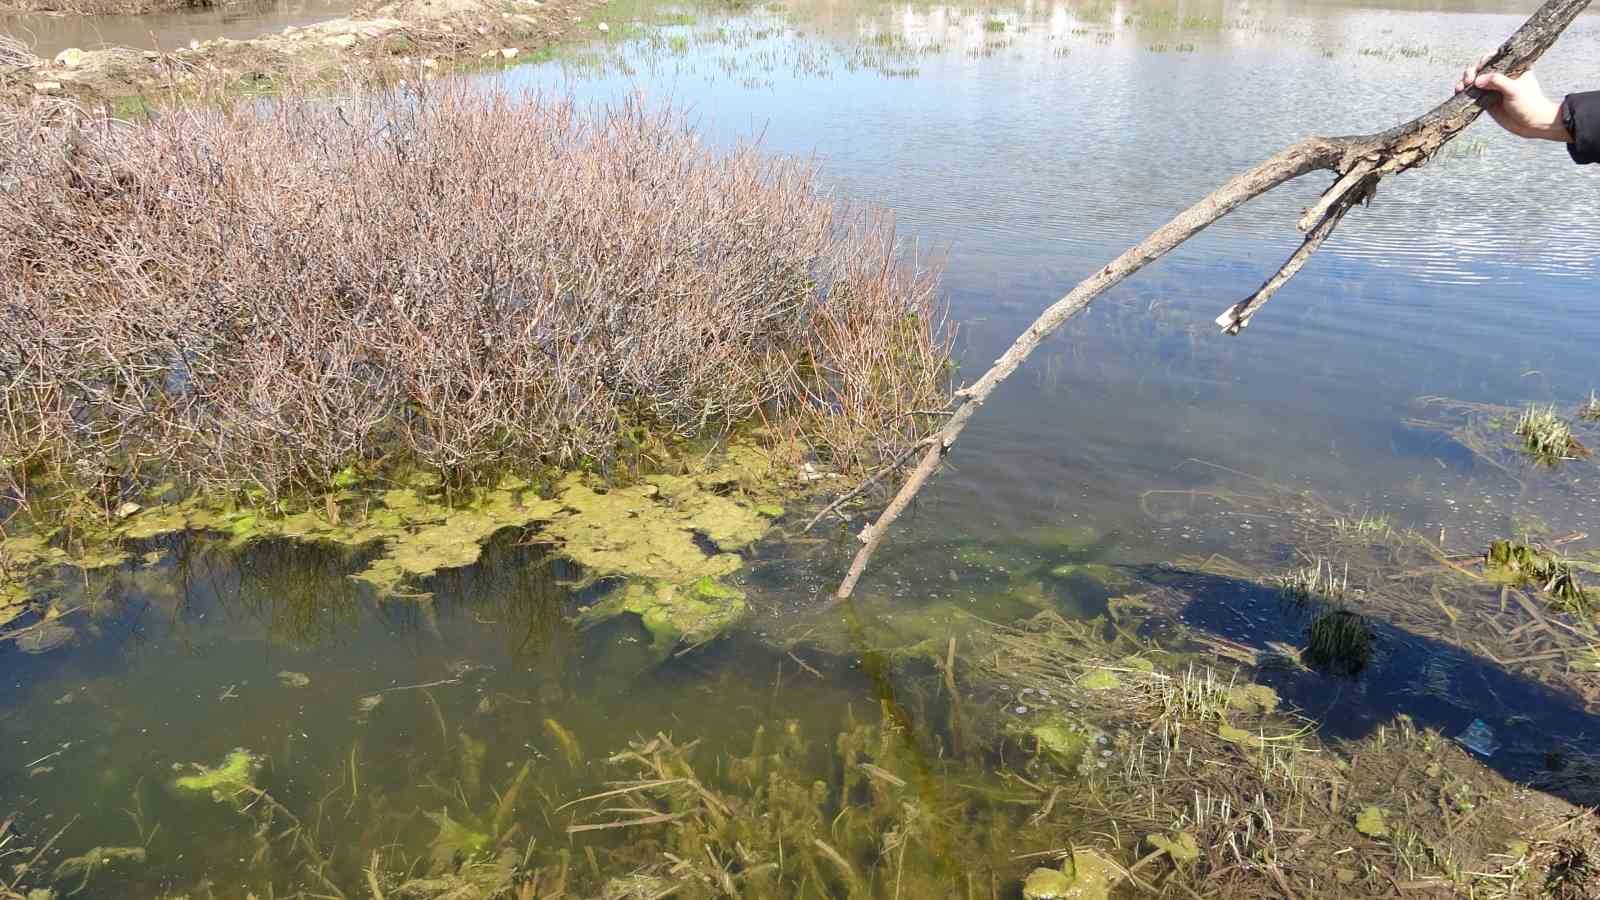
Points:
(1026, 146)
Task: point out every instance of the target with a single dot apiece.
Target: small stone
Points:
(1021, 710)
(509, 52)
(127, 509)
(47, 87)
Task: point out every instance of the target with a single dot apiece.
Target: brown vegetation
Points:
(258, 298)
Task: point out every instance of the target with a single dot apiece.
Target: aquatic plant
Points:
(449, 307)
(1339, 641)
(1548, 436)
(235, 777)
(994, 25)
(1315, 583)
(1590, 410)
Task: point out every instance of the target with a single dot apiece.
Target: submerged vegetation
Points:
(492, 282)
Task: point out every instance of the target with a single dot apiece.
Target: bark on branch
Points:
(1358, 161)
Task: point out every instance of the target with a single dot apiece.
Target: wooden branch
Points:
(1359, 162)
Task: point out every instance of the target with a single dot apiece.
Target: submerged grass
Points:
(465, 281)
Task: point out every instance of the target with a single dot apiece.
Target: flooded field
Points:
(1192, 528)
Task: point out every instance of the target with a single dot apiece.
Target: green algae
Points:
(673, 614)
(1180, 846)
(1065, 740)
(674, 528)
(454, 842)
(1091, 877)
(1370, 822)
(1100, 680)
(1252, 698)
(1046, 884)
(236, 775)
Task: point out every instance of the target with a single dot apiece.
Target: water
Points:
(50, 34)
(1028, 156)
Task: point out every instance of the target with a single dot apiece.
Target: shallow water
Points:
(50, 34)
(1027, 155)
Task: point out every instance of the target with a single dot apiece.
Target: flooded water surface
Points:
(49, 34)
(1139, 450)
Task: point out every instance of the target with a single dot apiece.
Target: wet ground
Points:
(1027, 146)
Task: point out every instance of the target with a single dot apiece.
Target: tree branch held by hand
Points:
(1359, 162)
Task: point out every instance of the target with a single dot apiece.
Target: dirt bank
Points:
(392, 38)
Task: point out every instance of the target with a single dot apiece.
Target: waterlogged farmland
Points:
(1304, 612)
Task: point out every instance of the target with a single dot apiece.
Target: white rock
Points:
(509, 52)
(70, 58)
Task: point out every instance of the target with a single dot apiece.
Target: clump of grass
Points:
(994, 25)
(1315, 583)
(1339, 641)
(1590, 410)
(1373, 527)
(1548, 436)
(459, 280)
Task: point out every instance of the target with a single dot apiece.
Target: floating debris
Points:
(294, 679)
(1479, 738)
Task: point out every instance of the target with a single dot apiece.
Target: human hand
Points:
(1523, 109)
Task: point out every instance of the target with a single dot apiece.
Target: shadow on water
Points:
(1544, 733)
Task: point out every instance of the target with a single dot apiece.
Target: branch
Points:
(1359, 161)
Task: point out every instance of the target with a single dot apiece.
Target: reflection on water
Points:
(49, 34)
(1030, 144)
(1034, 143)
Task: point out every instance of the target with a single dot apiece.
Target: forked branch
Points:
(1358, 161)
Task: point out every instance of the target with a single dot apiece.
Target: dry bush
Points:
(259, 297)
(14, 54)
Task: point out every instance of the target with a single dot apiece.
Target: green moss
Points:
(236, 775)
(673, 614)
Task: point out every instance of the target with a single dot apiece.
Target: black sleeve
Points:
(1583, 118)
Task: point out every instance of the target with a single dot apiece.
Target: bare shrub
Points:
(14, 54)
(259, 297)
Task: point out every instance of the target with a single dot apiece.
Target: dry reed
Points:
(256, 298)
